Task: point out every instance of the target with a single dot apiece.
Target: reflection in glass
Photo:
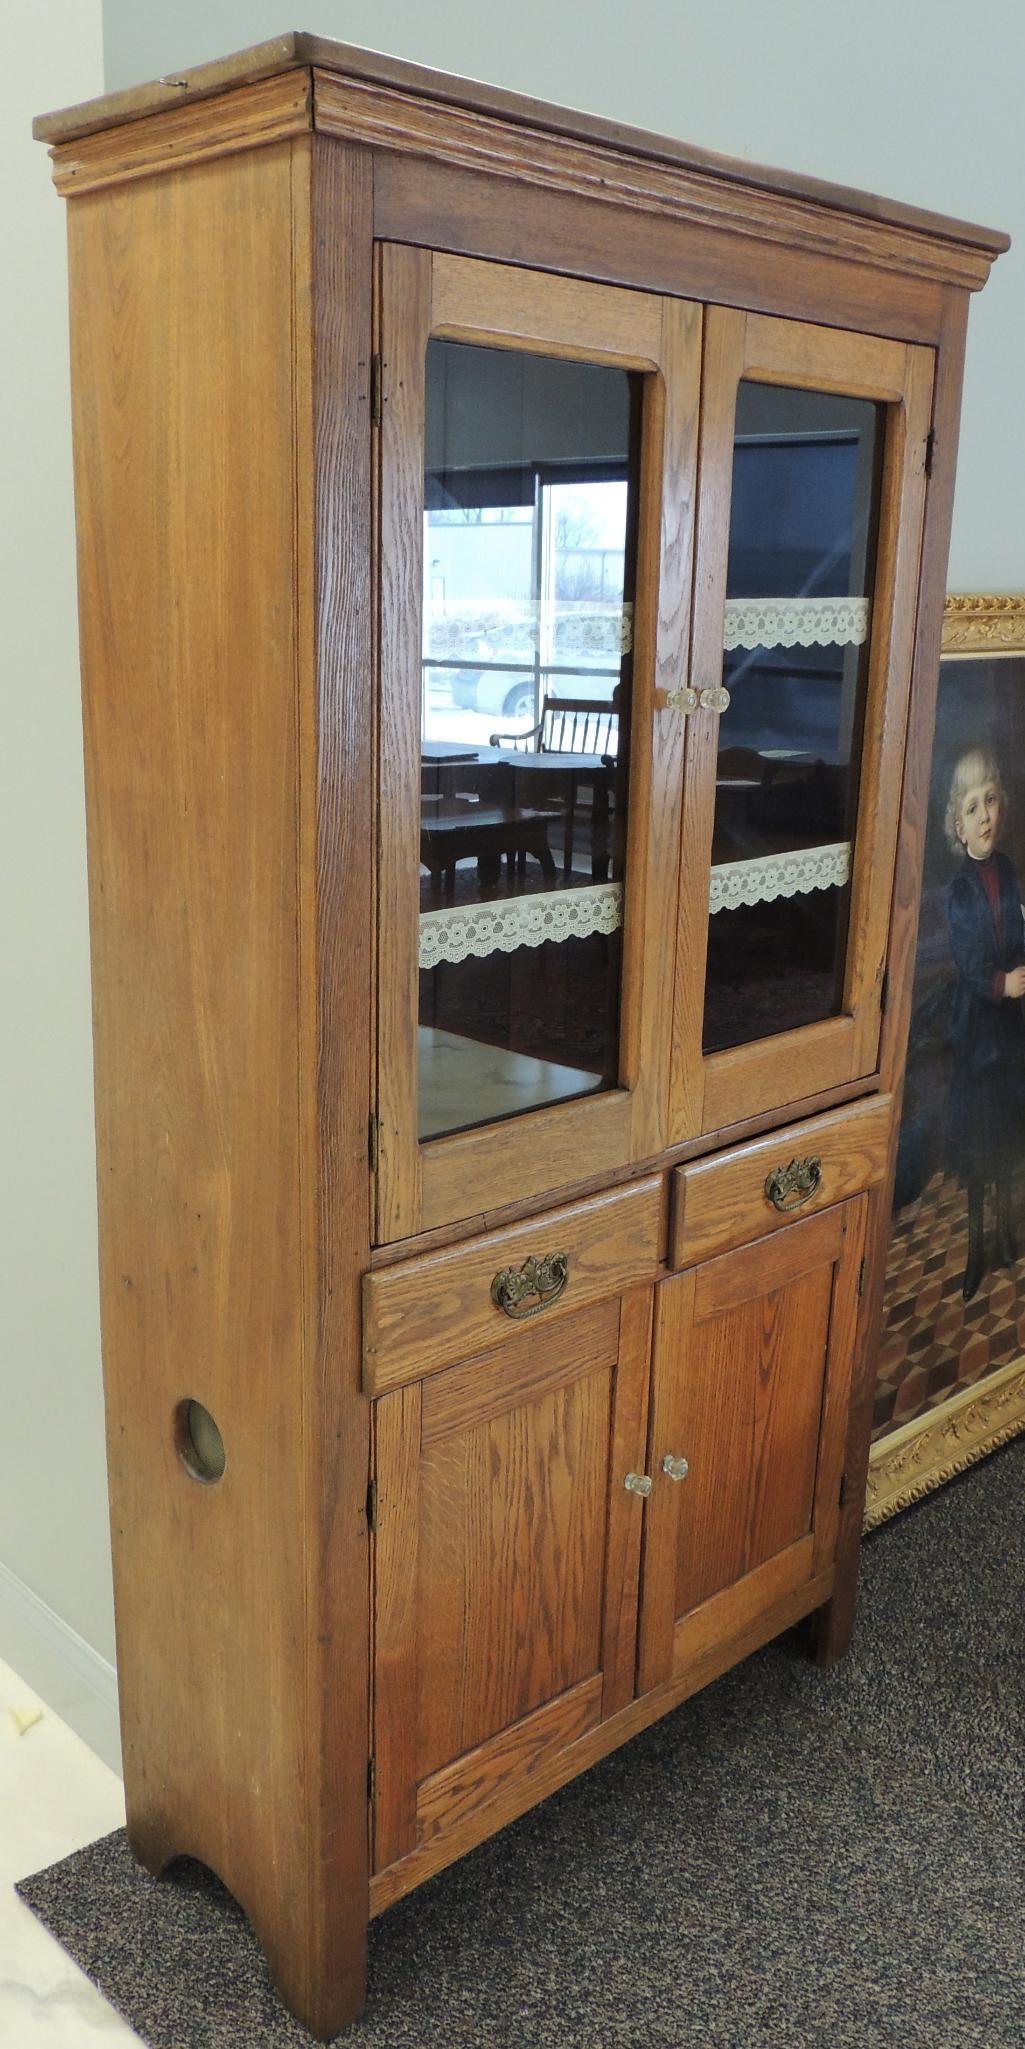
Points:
(797, 629)
(528, 567)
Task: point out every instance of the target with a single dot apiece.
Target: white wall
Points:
(917, 99)
(914, 98)
(54, 1546)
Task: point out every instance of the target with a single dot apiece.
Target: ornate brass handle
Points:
(788, 1187)
(545, 1278)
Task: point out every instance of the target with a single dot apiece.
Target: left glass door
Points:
(524, 422)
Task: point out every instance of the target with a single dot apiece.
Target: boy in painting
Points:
(987, 939)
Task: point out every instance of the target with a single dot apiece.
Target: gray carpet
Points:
(791, 1858)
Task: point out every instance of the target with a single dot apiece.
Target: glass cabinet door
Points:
(529, 433)
(810, 510)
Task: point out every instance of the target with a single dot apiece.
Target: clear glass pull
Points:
(715, 699)
(677, 1468)
(684, 699)
(638, 1483)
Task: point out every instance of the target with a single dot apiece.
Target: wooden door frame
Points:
(409, 1809)
(723, 1088)
(808, 1242)
(424, 293)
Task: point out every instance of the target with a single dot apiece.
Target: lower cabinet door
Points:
(751, 1377)
(506, 1565)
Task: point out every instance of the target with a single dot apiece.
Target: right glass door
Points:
(810, 510)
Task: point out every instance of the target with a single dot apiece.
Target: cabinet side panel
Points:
(184, 460)
(334, 266)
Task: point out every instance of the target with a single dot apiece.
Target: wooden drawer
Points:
(723, 1202)
(430, 1312)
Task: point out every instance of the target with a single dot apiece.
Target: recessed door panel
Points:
(506, 1563)
(751, 1374)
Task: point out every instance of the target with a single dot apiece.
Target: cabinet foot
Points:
(319, 1973)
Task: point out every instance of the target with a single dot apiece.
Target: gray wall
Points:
(889, 94)
(54, 1545)
(917, 99)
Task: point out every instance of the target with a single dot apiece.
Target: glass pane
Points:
(806, 471)
(528, 583)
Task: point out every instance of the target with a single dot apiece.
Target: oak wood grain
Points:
(490, 1383)
(748, 1423)
(730, 1611)
(427, 201)
(254, 115)
(722, 1201)
(722, 360)
(365, 111)
(397, 1621)
(332, 260)
(505, 1559)
(405, 312)
(743, 1079)
(437, 1183)
(620, 1175)
(392, 1884)
(430, 1312)
(751, 1352)
(625, 1513)
(844, 1334)
(662, 610)
(498, 305)
(509, 1759)
(182, 347)
(894, 606)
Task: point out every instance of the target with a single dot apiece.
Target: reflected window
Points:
(529, 504)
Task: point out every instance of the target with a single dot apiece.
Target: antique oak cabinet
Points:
(511, 564)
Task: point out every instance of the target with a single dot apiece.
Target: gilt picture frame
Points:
(951, 1381)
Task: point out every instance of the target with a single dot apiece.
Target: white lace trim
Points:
(774, 875)
(557, 629)
(508, 922)
(795, 622)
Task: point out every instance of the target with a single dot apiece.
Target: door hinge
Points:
(372, 1505)
(861, 1276)
(372, 1779)
(884, 992)
(930, 450)
(374, 1142)
(375, 390)
(843, 1490)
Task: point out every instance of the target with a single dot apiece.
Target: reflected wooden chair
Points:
(571, 725)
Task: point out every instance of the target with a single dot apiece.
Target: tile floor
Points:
(55, 1796)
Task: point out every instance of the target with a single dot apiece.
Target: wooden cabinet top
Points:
(334, 87)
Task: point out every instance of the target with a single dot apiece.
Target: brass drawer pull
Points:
(545, 1278)
(788, 1187)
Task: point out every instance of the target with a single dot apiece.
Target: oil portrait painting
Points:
(952, 1358)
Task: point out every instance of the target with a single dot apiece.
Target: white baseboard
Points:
(67, 1673)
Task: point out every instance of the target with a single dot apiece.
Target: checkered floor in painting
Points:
(933, 1343)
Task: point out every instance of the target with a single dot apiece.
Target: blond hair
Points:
(977, 766)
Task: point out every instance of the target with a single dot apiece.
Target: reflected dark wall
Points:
(981, 704)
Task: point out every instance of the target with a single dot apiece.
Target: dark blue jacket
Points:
(987, 1032)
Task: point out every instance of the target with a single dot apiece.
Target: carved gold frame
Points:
(910, 1461)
